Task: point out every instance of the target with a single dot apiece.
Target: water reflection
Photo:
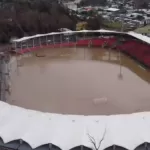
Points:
(81, 81)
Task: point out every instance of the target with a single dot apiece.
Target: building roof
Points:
(112, 9)
(68, 131)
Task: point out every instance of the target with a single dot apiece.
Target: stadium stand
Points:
(135, 45)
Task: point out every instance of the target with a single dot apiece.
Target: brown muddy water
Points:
(82, 81)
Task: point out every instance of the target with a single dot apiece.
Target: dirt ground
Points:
(82, 81)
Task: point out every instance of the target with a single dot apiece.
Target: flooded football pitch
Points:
(86, 81)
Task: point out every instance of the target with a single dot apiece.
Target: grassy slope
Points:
(144, 30)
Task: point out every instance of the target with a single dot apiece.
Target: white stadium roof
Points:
(54, 33)
(68, 131)
(131, 33)
(140, 36)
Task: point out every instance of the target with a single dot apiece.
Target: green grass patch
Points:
(114, 25)
(144, 30)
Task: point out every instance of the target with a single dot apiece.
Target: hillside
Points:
(28, 17)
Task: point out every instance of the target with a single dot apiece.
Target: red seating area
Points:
(134, 48)
(138, 50)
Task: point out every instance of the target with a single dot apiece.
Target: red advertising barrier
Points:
(140, 51)
(93, 42)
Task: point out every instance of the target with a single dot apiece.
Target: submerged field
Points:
(80, 81)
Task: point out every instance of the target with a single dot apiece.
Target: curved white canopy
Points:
(131, 33)
(66, 32)
(140, 36)
(68, 131)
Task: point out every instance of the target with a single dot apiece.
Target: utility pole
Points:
(122, 25)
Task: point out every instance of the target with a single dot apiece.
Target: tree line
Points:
(29, 17)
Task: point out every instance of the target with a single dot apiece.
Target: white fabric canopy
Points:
(140, 36)
(66, 32)
(68, 131)
(131, 33)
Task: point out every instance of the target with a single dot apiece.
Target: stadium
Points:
(73, 90)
